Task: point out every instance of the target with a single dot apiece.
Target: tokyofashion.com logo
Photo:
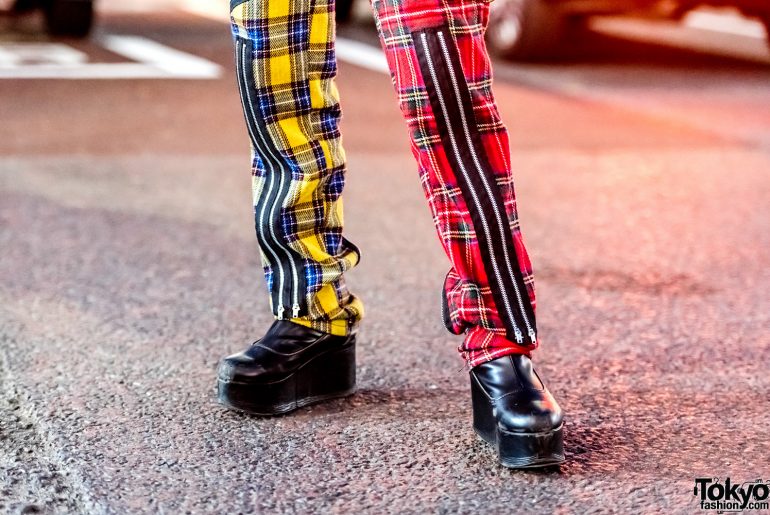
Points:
(729, 497)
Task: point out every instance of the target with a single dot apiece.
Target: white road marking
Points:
(362, 54)
(16, 54)
(58, 61)
(676, 35)
(174, 62)
(349, 50)
(727, 23)
(217, 10)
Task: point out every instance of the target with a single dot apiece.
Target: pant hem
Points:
(335, 327)
(481, 346)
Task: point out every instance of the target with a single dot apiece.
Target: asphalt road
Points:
(128, 267)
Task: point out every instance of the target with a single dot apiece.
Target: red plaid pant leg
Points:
(442, 75)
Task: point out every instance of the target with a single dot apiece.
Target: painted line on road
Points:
(349, 50)
(16, 54)
(174, 62)
(362, 54)
(725, 23)
(152, 60)
(217, 11)
(676, 35)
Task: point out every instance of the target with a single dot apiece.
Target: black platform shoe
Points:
(290, 367)
(515, 412)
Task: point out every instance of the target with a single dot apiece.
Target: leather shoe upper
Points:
(521, 402)
(285, 347)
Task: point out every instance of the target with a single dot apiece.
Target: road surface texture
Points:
(129, 267)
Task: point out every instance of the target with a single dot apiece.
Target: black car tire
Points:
(23, 6)
(524, 30)
(343, 10)
(72, 18)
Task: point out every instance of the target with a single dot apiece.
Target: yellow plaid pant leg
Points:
(286, 69)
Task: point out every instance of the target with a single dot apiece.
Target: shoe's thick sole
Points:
(328, 376)
(515, 450)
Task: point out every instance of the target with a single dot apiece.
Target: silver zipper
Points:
(245, 95)
(501, 226)
(482, 216)
(280, 308)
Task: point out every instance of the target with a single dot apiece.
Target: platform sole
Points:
(527, 450)
(515, 450)
(329, 376)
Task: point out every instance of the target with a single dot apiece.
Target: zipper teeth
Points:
(247, 106)
(474, 195)
(500, 225)
(280, 307)
(482, 216)
(292, 286)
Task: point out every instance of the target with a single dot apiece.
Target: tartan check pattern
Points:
(469, 306)
(442, 76)
(288, 62)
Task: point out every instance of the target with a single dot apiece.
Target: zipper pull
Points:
(532, 336)
(519, 337)
(280, 312)
(295, 311)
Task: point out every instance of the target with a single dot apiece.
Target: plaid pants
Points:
(442, 76)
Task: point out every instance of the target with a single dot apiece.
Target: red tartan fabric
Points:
(471, 304)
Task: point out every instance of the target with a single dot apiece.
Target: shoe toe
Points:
(238, 367)
(530, 416)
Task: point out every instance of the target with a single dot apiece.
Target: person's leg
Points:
(286, 71)
(286, 67)
(442, 75)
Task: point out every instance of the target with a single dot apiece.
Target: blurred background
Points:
(640, 138)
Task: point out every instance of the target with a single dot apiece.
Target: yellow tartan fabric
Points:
(292, 110)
